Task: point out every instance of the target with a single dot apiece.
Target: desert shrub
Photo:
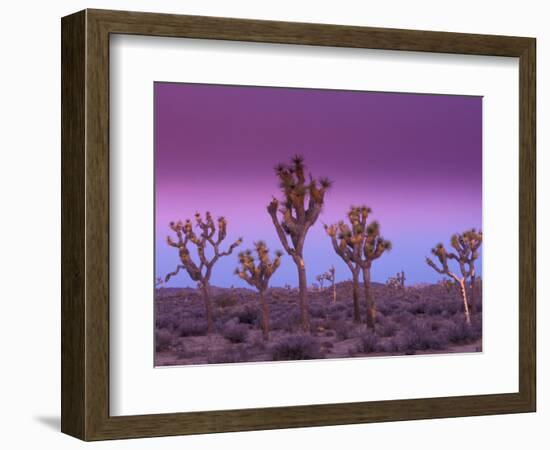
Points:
(435, 308)
(317, 311)
(387, 345)
(417, 307)
(453, 306)
(257, 344)
(249, 315)
(405, 342)
(288, 320)
(192, 327)
(459, 332)
(295, 348)
(420, 336)
(318, 326)
(235, 333)
(386, 327)
(341, 328)
(368, 342)
(337, 307)
(389, 307)
(163, 340)
(227, 355)
(163, 321)
(225, 300)
(337, 316)
(403, 319)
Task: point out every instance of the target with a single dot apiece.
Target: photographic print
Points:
(305, 224)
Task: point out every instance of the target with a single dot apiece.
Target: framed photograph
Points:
(273, 225)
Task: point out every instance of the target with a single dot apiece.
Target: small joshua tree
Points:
(321, 281)
(467, 245)
(443, 256)
(359, 244)
(401, 278)
(398, 281)
(294, 215)
(257, 274)
(206, 238)
(330, 276)
(158, 282)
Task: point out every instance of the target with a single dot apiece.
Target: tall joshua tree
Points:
(359, 243)
(294, 215)
(443, 256)
(467, 245)
(206, 238)
(258, 275)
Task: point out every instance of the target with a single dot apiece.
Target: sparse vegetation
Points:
(420, 319)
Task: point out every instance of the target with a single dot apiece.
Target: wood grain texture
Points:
(85, 224)
(73, 109)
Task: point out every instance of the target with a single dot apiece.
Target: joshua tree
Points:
(158, 282)
(258, 275)
(359, 244)
(443, 256)
(321, 280)
(398, 281)
(467, 245)
(206, 238)
(330, 276)
(294, 215)
(401, 278)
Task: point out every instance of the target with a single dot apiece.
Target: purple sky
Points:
(414, 159)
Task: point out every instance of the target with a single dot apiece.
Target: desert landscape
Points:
(365, 243)
(410, 320)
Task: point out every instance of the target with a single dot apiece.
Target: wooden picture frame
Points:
(85, 224)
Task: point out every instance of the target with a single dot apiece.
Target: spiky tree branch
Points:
(466, 245)
(208, 235)
(359, 243)
(295, 214)
(257, 274)
(330, 276)
(321, 280)
(443, 256)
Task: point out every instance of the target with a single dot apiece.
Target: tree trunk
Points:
(208, 306)
(333, 291)
(302, 281)
(265, 317)
(462, 289)
(356, 310)
(473, 305)
(371, 309)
